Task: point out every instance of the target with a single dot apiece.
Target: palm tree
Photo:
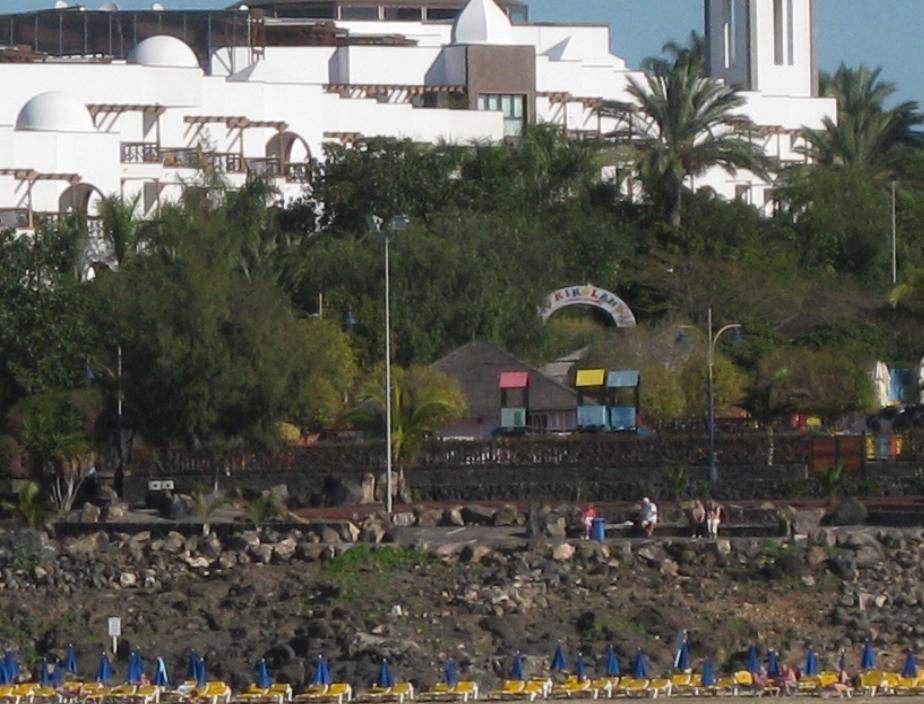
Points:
(910, 292)
(865, 135)
(691, 127)
(122, 231)
(423, 400)
(691, 54)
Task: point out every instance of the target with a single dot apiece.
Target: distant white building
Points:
(131, 102)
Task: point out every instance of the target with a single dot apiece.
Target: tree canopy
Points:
(215, 303)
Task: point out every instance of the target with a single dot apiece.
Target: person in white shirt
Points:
(648, 517)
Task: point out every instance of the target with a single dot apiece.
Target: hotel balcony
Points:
(140, 153)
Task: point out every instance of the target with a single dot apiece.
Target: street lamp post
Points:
(712, 339)
(395, 225)
(894, 240)
(120, 435)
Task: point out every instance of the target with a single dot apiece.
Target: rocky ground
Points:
(290, 595)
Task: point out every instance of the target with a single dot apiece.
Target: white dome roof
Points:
(164, 51)
(54, 112)
(482, 22)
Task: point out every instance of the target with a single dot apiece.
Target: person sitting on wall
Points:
(587, 520)
(713, 518)
(648, 517)
(698, 519)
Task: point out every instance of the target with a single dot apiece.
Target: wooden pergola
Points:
(344, 137)
(242, 122)
(595, 105)
(31, 176)
(103, 109)
(409, 90)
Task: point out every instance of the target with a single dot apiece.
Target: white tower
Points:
(767, 46)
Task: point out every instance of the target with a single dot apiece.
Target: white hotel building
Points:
(106, 101)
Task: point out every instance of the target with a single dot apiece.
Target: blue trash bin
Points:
(598, 529)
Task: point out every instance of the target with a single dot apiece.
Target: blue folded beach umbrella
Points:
(263, 678)
(201, 676)
(12, 667)
(135, 669)
(811, 663)
(103, 670)
(4, 675)
(193, 666)
(640, 667)
(160, 673)
(612, 663)
(70, 662)
(867, 658)
(57, 676)
(516, 673)
(753, 664)
(682, 658)
(708, 677)
(385, 678)
(558, 659)
(773, 664)
(579, 670)
(452, 677)
(321, 672)
(910, 669)
(44, 679)
(842, 663)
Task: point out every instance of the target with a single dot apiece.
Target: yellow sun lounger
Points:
(684, 683)
(17, 693)
(399, 692)
(214, 692)
(93, 692)
(873, 682)
(45, 695)
(463, 690)
(338, 692)
(575, 687)
(631, 687)
(605, 685)
(659, 686)
(520, 689)
(274, 694)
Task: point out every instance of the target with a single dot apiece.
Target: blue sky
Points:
(874, 32)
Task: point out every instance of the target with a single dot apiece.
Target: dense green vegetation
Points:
(212, 303)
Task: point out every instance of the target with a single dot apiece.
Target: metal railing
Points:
(605, 451)
(140, 153)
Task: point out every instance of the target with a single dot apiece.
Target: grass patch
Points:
(387, 559)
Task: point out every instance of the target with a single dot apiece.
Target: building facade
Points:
(100, 102)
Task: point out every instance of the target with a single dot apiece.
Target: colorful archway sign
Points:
(588, 295)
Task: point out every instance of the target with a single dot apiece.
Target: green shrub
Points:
(265, 509)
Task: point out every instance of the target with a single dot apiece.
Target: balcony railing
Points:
(16, 218)
(140, 153)
(94, 225)
(298, 173)
(182, 158)
(267, 167)
(224, 162)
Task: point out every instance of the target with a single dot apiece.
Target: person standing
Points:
(698, 519)
(713, 518)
